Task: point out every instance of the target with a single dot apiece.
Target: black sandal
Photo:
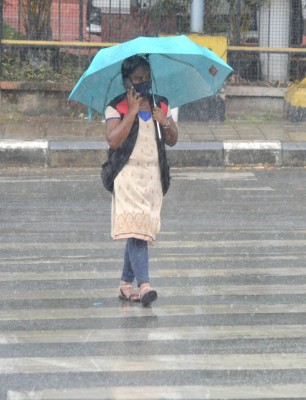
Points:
(147, 296)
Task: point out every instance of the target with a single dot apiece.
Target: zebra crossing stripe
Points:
(165, 244)
(194, 333)
(172, 310)
(149, 363)
(195, 257)
(218, 290)
(197, 392)
(192, 273)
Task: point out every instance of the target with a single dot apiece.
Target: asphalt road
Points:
(229, 267)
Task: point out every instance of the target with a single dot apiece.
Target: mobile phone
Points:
(128, 85)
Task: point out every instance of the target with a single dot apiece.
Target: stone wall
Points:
(34, 98)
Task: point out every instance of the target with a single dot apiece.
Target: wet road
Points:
(229, 267)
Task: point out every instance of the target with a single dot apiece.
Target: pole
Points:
(197, 16)
(81, 21)
(1, 34)
(275, 33)
(238, 22)
(59, 19)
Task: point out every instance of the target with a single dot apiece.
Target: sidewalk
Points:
(65, 142)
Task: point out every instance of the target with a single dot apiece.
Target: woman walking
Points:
(137, 173)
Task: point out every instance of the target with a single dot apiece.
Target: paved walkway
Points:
(70, 129)
(62, 141)
(254, 129)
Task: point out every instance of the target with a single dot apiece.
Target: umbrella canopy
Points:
(181, 70)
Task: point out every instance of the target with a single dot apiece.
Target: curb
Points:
(15, 153)
(81, 154)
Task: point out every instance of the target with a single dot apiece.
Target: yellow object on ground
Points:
(295, 101)
(296, 94)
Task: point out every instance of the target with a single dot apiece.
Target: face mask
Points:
(144, 88)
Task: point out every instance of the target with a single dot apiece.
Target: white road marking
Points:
(193, 333)
(168, 310)
(149, 363)
(196, 392)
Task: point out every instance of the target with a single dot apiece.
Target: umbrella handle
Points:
(154, 102)
(158, 130)
(157, 123)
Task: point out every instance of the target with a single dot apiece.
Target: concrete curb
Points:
(81, 154)
(15, 153)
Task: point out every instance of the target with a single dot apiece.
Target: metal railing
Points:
(265, 37)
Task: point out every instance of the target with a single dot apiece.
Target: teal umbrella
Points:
(182, 71)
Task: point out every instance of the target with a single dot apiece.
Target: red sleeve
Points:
(164, 108)
(122, 107)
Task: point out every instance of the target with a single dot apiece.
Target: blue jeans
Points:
(136, 261)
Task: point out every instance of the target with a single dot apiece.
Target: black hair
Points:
(131, 63)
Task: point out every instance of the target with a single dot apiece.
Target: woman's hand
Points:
(133, 99)
(117, 130)
(159, 116)
(168, 126)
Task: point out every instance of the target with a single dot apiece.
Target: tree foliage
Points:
(36, 19)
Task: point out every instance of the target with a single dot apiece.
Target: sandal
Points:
(147, 296)
(127, 293)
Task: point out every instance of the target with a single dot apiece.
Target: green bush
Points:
(11, 33)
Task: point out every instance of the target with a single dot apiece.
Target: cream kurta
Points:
(137, 196)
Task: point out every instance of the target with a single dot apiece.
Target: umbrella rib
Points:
(181, 62)
(175, 59)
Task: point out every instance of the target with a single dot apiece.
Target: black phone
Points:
(128, 85)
